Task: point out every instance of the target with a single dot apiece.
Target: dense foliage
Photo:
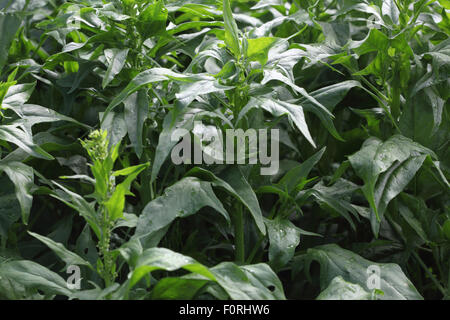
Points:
(91, 92)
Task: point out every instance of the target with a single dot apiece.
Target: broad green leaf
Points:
(17, 95)
(267, 3)
(330, 201)
(284, 237)
(116, 202)
(96, 294)
(446, 229)
(32, 114)
(152, 20)
(299, 173)
(136, 112)
(235, 183)
(65, 255)
(258, 49)
(164, 259)
(272, 74)
(9, 24)
(445, 4)
(251, 282)
(335, 261)
(203, 85)
(279, 108)
(180, 200)
(329, 97)
(4, 87)
(114, 123)
(231, 30)
(375, 41)
(78, 203)
(22, 176)
(32, 275)
(128, 220)
(242, 188)
(339, 289)
(336, 33)
(177, 288)
(23, 140)
(161, 74)
(9, 206)
(172, 122)
(414, 223)
(377, 157)
(391, 183)
(116, 59)
(423, 115)
(389, 10)
(194, 24)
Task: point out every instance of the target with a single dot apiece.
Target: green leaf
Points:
(9, 206)
(335, 261)
(446, 229)
(329, 97)
(242, 188)
(65, 255)
(23, 139)
(116, 202)
(78, 203)
(231, 30)
(422, 117)
(273, 74)
(299, 173)
(175, 119)
(9, 24)
(331, 201)
(377, 157)
(136, 112)
(284, 237)
(177, 288)
(152, 20)
(267, 3)
(413, 222)
(32, 114)
(339, 289)
(116, 59)
(375, 41)
(237, 185)
(252, 282)
(22, 176)
(258, 49)
(161, 74)
(33, 275)
(389, 10)
(279, 108)
(391, 183)
(114, 123)
(164, 259)
(180, 200)
(17, 95)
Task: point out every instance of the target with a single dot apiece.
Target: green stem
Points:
(108, 273)
(261, 237)
(395, 101)
(432, 277)
(238, 222)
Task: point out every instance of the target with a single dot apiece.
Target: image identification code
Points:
(227, 309)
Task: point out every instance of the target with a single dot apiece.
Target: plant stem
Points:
(432, 277)
(261, 237)
(238, 222)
